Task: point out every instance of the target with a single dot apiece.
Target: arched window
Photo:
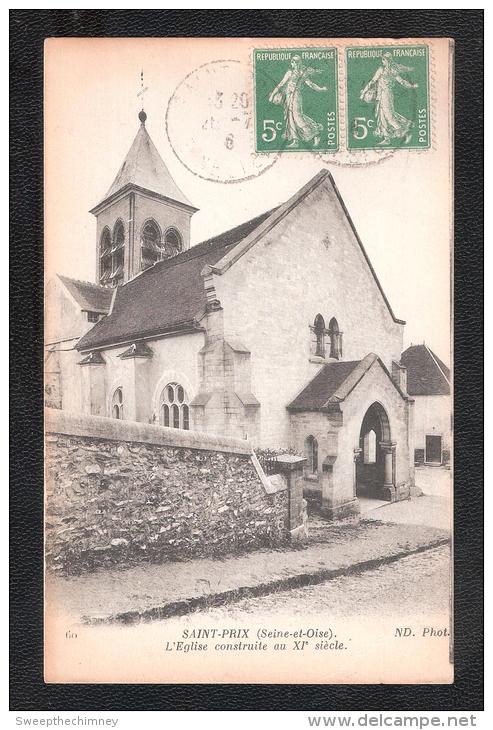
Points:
(319, 329)
(105, 257)
(173, 409)
(118, 236)
(117, 254)
(311, 450)
(173, 243)
(117, 404)
(370, 447)
(150, 243)
(335, 339)
(186, 417)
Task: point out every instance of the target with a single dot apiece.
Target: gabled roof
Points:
(317, 393)
(137, 349)
(426, 373)
(93, 358)
(334, 382)
(166, 297)
(91, 297)
(144, 167)
(278, 213)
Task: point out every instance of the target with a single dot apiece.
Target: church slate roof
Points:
(91, 297)
(166, 297)
(323, 386)
(144, 167)
(426, 373)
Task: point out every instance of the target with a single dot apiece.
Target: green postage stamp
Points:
(296, 99)
(387, 97)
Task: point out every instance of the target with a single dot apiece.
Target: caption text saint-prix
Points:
(300, 639)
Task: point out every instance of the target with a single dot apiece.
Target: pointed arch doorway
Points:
(375, 465)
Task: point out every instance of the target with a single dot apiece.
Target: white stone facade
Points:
(309, 263)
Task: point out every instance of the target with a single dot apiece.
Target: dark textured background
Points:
(28, 30)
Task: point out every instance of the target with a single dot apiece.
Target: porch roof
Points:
(323, 386)
(334, 382)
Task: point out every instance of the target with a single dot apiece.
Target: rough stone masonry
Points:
(120, 493)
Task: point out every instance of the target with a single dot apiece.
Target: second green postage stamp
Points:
(296, 99)
(387, 97)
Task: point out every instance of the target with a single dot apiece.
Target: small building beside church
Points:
(277, 330)
(428, 382)
(73, 307)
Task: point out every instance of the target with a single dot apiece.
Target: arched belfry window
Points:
(117, 404)
(335, 339)
(319, 329)
(105, 257)
(311, 451)
(117, 255)
(174, 408)
(150, 243)
(173, 243)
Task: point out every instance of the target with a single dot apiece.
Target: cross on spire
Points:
(143, 89)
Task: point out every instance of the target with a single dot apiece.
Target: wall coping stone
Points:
(76, 424)
(290, 462)
(271, 485)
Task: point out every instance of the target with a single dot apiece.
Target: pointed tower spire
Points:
(145, 168)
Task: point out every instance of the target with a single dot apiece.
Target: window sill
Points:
(324, 360)
(311, 477)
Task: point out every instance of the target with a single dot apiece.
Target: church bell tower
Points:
(143, 218)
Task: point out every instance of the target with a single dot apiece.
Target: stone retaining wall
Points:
(119, 493)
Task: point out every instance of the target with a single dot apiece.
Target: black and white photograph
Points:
(248, 389)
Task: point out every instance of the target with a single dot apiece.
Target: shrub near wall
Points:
(158, 494)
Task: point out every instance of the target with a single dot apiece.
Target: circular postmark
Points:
(210, 126)
(358, 158)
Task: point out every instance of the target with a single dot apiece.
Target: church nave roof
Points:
(168, 295)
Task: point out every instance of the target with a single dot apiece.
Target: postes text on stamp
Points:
(296, 99)
(387, 97)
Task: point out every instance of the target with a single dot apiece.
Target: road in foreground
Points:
(417, 585)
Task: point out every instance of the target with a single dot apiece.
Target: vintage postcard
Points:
(248, 247)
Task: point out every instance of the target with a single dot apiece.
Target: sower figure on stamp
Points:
(390, 124)
(298, 125)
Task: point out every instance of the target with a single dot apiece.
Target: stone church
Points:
(277, 330)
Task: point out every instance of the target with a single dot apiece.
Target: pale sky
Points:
(400, 207)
